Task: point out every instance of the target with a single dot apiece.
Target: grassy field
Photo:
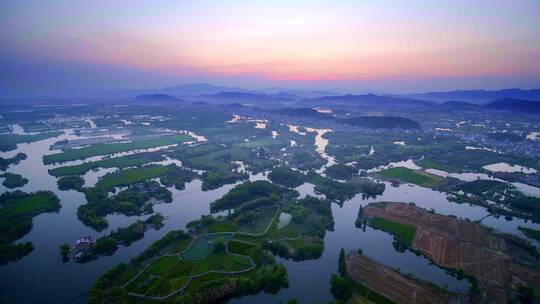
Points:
(169, 273)
(163, 265)
(239, 247)
(223, 227)
(163, 276)
(104, 149)
(117, 162)
(131, 176)
(32, 203)
(179, 245)
(404, 233)
(221, 262)
(412, 176)
(203, 246)
(430, 164)
(264, 218)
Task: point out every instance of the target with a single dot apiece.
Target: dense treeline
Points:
(135, 200)
(247, 192)
(287, 177)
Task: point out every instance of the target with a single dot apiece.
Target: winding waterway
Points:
(41, 277)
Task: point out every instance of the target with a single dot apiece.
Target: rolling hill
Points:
(515, 105)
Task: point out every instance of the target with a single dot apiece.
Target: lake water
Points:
(41, 277)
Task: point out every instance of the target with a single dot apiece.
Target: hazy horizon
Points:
(79, 47)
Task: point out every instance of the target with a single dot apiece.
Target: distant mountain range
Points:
(476, 96)
(210, 89)
(373, 100)
(369, 122)
(457, 105)
(157, 98)
(453, 101)
(514, 105)
(198, 89)
(383, 122)
(302, 112)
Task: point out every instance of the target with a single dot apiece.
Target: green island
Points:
(104, 149)
(218, 162)
(296, 233)
(286, 177)
(430, 164)
(130, 176)
(340, 171)
(416, 177)
(6, 162)
(498, 197)
(108, 245)
(116, 162)
(16, 213)
(226, 256)
(12, 180)
(340, 192)
(532, 233)
(9, 142)
(136, 199)
(70, 182)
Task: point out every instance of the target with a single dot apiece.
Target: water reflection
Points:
(309, 280)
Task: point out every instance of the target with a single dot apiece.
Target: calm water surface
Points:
(41, 277)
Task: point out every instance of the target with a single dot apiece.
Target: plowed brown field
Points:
(466, 245)
(392, 284)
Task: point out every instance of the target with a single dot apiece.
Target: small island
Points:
(16, 213)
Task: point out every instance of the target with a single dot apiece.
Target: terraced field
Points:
(394, 285)
(493, 260)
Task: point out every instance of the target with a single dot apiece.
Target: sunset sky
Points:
(361, 46)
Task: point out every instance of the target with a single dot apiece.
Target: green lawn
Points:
(264, 218)
(165, 286)
(239, 247)
(179, 245)
(412, 176)
(32, 203)
(285, 232)
(221, 262)
(223, 227)
(163, 265)
(203, 246)
(131, 176)
(104, 149)
(430, 164)
(404, 233)
(117, 162)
